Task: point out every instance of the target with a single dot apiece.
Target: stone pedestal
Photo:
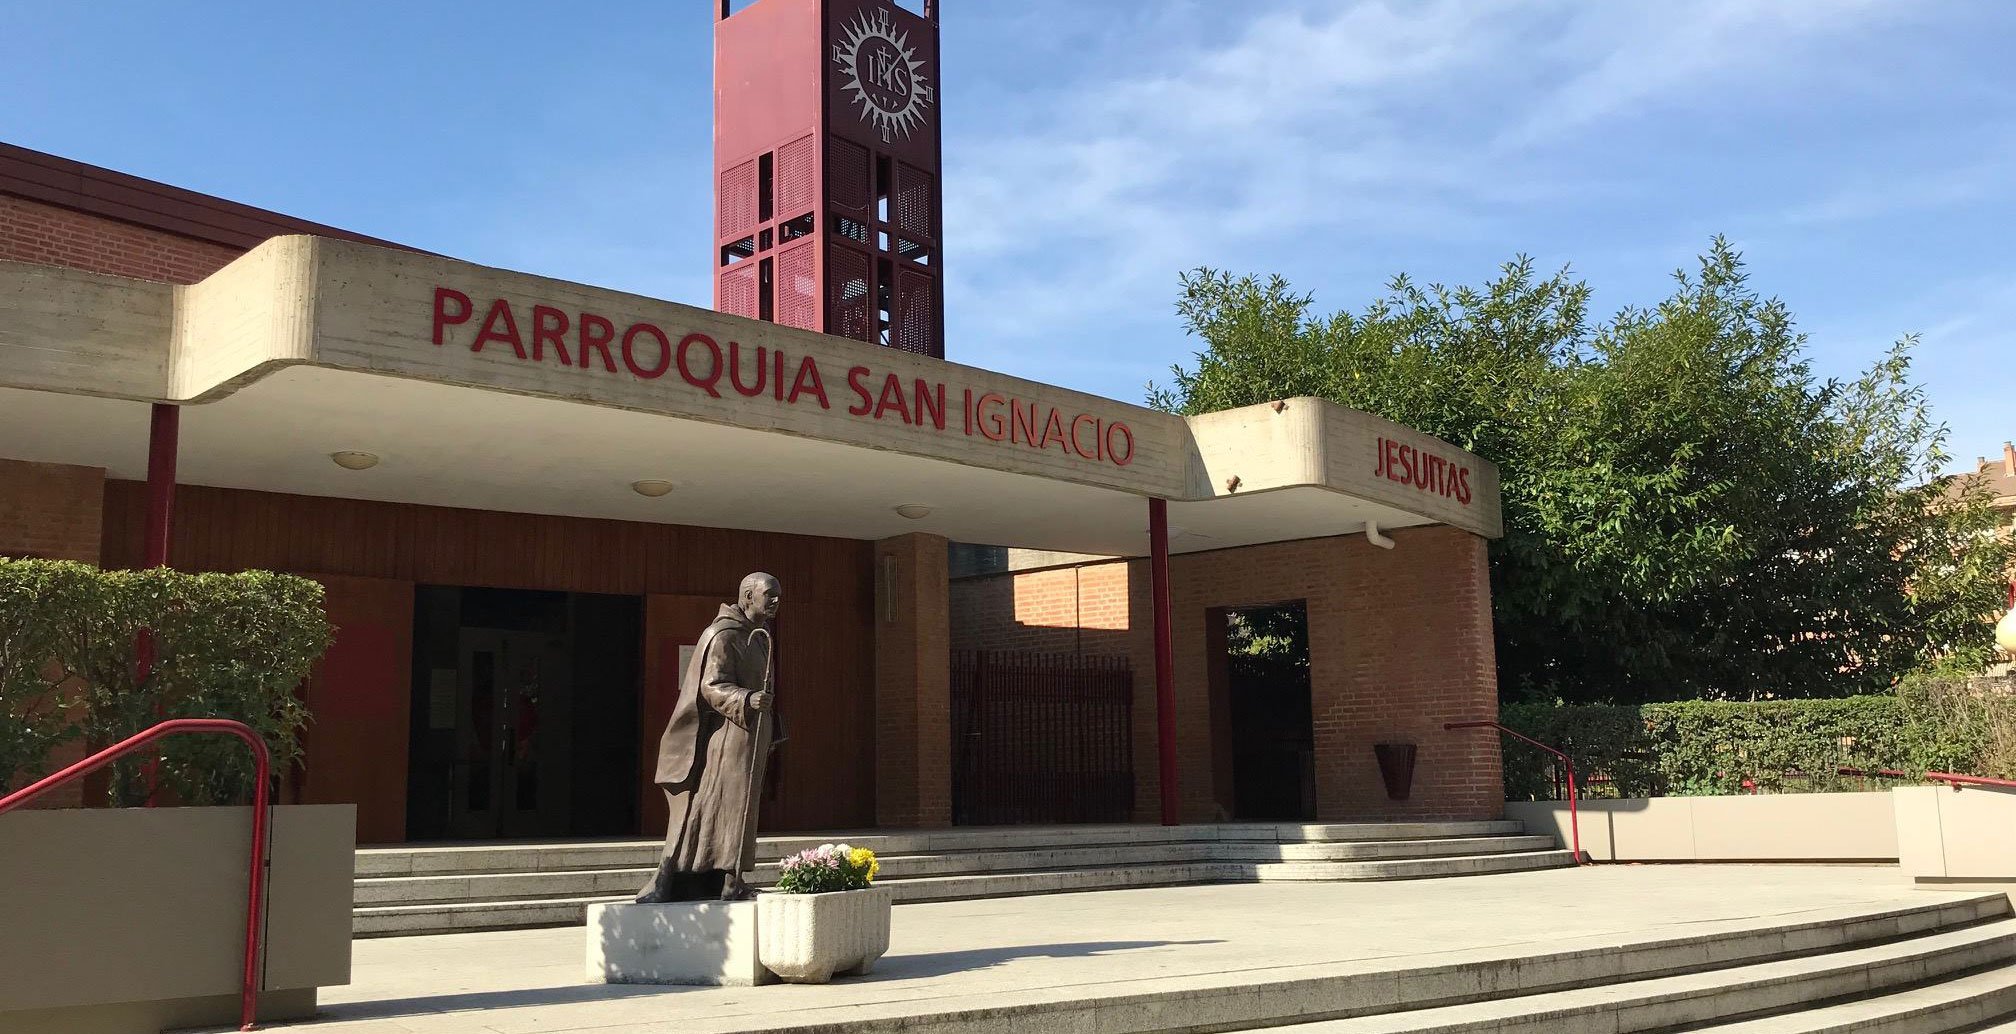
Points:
(686, 942)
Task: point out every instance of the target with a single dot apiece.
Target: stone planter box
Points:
(807, 938)
(131, 920)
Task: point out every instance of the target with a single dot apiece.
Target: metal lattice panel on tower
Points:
(916, 315)
(798, 286)
(737, 202)
(739, 294)
(797, 177)
(848, 305)
(826, 149)
(850, 176)
(916, 201)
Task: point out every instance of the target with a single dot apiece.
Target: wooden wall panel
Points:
(826, 659)
(670, 622)
(361, 697)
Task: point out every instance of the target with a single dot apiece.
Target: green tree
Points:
(1689, 511)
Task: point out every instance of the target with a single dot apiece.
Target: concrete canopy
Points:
(495, 390)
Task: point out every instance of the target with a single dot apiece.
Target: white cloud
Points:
(1636, 53)
(1305, 128)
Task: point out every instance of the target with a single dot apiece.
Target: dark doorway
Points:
(524, 720)
(1272, 732)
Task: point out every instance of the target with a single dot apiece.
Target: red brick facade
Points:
(51, 510)
(31, 231)
(55, 512)
(1081, 609)
(1399, 643)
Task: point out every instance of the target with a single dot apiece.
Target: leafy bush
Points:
(1691, 512)
(122, 650)
(1713, 747)
(32, 721)
(1977, 724)
(827, 868)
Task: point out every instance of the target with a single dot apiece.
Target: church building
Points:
(1005, 601)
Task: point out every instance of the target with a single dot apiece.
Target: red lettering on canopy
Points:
(549, 326)
(808, 373)
(1113, 451)
(664, 362)
(593, 333)
(1078, 443)
(992, 426)
(927, 404)
(442, 318)
(710, 381)
(892, 398)
(1023, 422)
(1053, 431)
(867, 403)
(735, 370)
(499, 316)
(919, 403)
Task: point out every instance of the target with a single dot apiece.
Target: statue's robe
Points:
(710, 764)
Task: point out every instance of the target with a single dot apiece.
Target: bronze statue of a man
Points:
(711, 758)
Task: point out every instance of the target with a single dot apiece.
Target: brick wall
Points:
(1399, 642)
(1080, 609)
(31, 231)
(51, 510)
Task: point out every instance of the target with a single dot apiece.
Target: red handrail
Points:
(1574, 821)
(1968, 780)
(248, 999)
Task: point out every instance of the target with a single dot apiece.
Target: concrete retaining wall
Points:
(1954, 835)
(1777, 828)
(133, 919)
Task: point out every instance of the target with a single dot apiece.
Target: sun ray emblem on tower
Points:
(884, 74)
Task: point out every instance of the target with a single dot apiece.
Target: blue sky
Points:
(1861, 155)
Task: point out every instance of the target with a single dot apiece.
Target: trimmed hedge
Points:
(72, 638)
(1712, 747)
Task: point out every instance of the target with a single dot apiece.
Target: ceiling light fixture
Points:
(914, 511)
(352, 460)
(651, 489)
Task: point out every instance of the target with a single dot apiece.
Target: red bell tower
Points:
(826, 149)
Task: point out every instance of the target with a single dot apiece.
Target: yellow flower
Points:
(862, 858)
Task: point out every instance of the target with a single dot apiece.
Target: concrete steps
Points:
(489, 886)
(1936, 968)
(1959, 1004)
(1707, 1000)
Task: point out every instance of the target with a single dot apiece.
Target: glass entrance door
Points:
(512, 749)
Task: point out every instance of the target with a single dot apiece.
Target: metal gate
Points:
(1040, 738)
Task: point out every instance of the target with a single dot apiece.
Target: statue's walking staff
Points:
(759, 749)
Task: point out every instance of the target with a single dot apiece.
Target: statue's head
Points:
(760, 597)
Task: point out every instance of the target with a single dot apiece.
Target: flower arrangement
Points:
(827, 868)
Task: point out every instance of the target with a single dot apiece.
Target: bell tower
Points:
(826, 156)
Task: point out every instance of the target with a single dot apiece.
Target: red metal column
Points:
(1165, 655)
(162, 436)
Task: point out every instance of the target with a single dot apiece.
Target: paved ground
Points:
(1004, 950)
